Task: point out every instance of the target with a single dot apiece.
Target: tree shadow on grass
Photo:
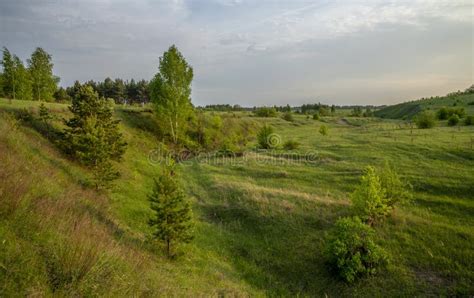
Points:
(140, 120)
(273, 249)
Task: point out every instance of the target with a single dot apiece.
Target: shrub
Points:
(266, 112)
(316, 116)
(425, 120)
(368, 200)
(395, 189)
(267, 139)
(442, 113)
(291, 145)
(352, 251)
(453, 120)
(288, 116)
(323, 111)
(44, 114)
(323, 130)
(469, 120)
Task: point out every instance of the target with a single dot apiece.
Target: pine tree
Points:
(93, 136)
(44, 114)
(368, 198)
(44, 82)
(172, 220)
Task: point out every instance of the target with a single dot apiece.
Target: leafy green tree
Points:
(93, 136)
(170, 91)
(40, 66)
(24, 90)
(10, 80)
(352, 250)
(368, 199)
(172, 220)
(16, 80)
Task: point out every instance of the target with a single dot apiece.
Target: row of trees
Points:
(121, 91)
(33, 82)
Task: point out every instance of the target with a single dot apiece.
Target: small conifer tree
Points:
(172, 220)
(368, 198)
(396, 190)
(44, 114)
(93, 135)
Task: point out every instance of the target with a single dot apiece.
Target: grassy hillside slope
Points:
(262, 217)
(411, 108)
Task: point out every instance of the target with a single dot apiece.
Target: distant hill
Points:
(411, 108)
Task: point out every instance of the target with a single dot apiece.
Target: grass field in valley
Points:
(262, 217)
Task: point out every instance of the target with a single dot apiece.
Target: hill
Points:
(262, 217)
(408, 110)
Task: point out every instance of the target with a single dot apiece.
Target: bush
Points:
(323, 130)
(316, 116)
(395, 189)
(267, 139)
(324, 111)
(288, 116)
(352, 251)
(425, 120)
(266, 112)
(453, 120)
(469, 120)
(368, 200)
(291, 145)
(442, 114)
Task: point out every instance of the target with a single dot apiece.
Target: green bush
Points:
(267, 139)
(316, 116)
(291, 145)
(442, 113)
(265, 112)
(453, 120)
(368, 200)
(324, 130)
(288, 116)
(425, 120)
(469, 120)
(352, 251)
(395, 189)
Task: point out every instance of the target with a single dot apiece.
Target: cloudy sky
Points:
(257, 52)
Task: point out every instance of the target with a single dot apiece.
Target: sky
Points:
(257, 52)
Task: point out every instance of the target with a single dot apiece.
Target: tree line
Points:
(35, 81)
(121, 91)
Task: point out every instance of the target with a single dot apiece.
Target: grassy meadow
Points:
(262, 218)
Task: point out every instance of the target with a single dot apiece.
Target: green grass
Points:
(262, 218)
